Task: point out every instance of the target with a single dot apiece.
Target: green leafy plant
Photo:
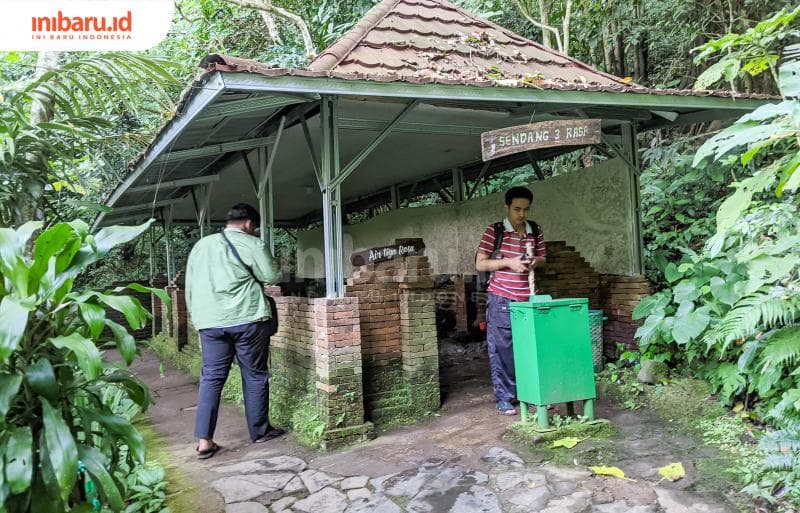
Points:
(56, 413)
(752, 53)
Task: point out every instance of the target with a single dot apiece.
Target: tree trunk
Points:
(41, 111)
(641, 60)
(619, 52)
(608, 55)
(544, 17)
(565, 24)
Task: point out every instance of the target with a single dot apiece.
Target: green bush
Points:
(58, 427)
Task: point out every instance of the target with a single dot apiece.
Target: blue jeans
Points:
(249, 343)
(501, 349)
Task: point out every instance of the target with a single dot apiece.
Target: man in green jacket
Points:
(227, 306)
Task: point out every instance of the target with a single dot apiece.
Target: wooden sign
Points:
(403, 248)
(516, 139)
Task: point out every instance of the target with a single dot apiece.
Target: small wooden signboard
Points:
(516, 139)
(402, 248)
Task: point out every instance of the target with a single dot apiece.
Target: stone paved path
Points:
(455, 463)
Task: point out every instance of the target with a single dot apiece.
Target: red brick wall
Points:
(620, 295)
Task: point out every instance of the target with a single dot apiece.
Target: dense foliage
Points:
(60, 422)
(731, 308)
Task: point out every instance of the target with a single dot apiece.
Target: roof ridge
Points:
(512, 34)
(334, 54)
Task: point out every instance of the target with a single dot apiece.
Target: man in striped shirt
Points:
(509, 267)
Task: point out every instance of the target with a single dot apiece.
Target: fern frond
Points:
(788, 461)
(757, 312)
(785, 414)
(782, 441)
(782, 348)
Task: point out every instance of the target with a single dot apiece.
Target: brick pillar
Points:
(180, 325)
(419, 343)
(337, 355)
(156, 305)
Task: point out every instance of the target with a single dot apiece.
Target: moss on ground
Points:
(182, 494)
(594, 448)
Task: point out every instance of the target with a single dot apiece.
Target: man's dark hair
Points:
(518, 192)
(244, 212)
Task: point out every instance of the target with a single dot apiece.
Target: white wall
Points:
(589, 208)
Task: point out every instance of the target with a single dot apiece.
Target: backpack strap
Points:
(534, 228)
(236, 254)
(499, 231)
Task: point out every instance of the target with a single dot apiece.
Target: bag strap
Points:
(236, 254)
(499, 231)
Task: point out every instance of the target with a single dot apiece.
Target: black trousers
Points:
(249, 343)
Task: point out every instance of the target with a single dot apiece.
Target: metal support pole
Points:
(395, 195)
(630, 148)
(265, 190)
(168, 243)
(458, 184)
(261, 162)
(331, 202)
(152, 252)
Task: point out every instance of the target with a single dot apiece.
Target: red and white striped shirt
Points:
(506, 283)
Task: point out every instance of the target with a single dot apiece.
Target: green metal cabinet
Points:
(553, 354)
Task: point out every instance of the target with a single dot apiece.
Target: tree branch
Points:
(539, 24)
(272, 28)
(268, 7)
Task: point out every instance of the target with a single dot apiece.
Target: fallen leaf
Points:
(672, 472)
(568, 442)
(738, 407)
(609, 471)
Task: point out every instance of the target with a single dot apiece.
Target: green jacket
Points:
(220, 292)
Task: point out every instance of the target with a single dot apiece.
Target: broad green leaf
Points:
(687, 290)
(95, 463)
(769, 111)
(60, 449)
(42, 380)
(649, 305)
(771, 268)
(732, 208)
(129, 306)
(19, 459)
(760, 64)
(160, 293)
(609, 471)
(13, 320)
(85, 351)
(713, 74)
(673, 472)
(94, 316)
(126, 344)
(789, 78)
(568, 442)
(45, 493)
(9, 386)
(689, 326)
(650, 328)
(137, 390)
(790, 178)
(724, 291)
(49, 243)
(671, 273)
(120, 428)
(112, 236)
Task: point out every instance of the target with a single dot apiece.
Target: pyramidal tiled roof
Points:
(436, 42)
(416, 40)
